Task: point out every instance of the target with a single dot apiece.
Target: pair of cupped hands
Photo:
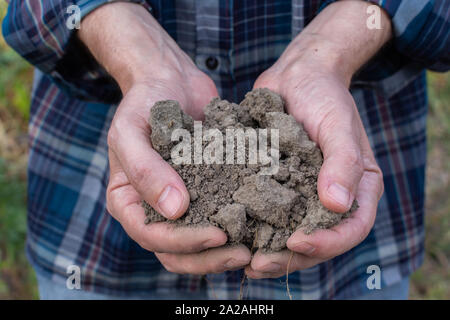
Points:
(312, 78)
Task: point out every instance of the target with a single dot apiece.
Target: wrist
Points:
(131, 45)
(338, 39)
(320, 54)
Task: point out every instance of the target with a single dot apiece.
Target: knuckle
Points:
(113, 204)
(380, 194)
(110, 188)
(109, 205)
(265, 80)
(373, 168)
(109, 197)
(381, 183)
(113, 133)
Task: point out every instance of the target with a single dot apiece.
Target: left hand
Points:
(323, 104)
(313, 78)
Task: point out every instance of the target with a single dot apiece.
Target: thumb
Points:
(153, 178)
(342, 169)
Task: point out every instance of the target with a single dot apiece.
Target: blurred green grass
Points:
(432, 280)
(17, 279)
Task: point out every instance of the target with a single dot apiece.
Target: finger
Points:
(162, 236)
(326, 244)
(339, 138)
(168, 238)
(119, 193)
(210, 261)
(123, 203)
(275, 265)
(152, 177)
(370, 164)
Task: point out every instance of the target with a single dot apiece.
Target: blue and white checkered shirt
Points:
(74, 100)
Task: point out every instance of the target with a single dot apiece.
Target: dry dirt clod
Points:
(232, 218)
(266, 199)
(257, 210)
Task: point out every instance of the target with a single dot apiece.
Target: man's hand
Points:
(313, 76)
(149, 66)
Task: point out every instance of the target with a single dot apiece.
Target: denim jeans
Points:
(50, 290)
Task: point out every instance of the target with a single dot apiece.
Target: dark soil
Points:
(260, 211)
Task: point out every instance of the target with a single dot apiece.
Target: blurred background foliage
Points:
(17, 279)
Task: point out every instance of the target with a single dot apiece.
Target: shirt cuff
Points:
(79, 73)
(44, 33)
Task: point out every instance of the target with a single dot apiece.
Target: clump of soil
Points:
(253, 208)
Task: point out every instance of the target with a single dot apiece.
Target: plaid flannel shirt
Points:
(74, 100)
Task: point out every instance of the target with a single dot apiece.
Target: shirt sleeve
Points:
(421, 33)
(43, 32)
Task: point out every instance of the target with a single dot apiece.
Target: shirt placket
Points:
(214, 39)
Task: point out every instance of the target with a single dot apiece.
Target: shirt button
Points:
(212, 63)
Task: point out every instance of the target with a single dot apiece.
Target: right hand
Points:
(137, 172)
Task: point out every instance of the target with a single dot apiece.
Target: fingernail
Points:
(233, 263)
(270, 267)
(170, 202)
(303, 247)
(339, 194)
